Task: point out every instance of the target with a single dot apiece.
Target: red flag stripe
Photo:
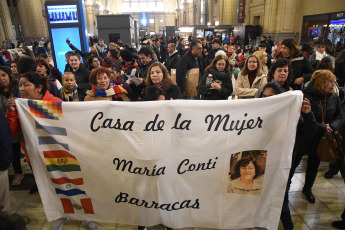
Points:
(65, 180)
(58, 154)
(87, 205)
(67, 205)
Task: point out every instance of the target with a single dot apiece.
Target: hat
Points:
(126, 55)
(262, 44)
(216, 41)
(40, 44)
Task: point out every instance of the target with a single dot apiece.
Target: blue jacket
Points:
(5, 144)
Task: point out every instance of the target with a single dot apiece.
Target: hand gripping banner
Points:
(183, 163)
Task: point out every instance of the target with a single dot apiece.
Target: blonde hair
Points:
(259, 71)
(321, 77)
(261, 54)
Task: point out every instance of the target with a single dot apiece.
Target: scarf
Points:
(113, 91)
(319, 56)
(64, 92)
(251, 77)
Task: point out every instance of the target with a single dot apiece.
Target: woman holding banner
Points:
(246, 171)
(326, 106)
(35, 87)
(216, 83)
(158, 75)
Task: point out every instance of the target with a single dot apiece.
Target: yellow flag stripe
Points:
(61, 161)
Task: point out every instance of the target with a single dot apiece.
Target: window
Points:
(129, 6)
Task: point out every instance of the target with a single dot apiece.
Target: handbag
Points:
(328, 146)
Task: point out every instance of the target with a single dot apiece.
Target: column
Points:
(5, 23)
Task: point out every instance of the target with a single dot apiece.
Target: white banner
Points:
(183, 163)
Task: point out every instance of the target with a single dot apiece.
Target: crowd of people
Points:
(169, 69)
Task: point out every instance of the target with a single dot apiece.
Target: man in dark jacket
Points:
(339, 72)
(173, 58)
(5, 161)
(146, 59)
(212, 53)
(162, 50)
(269, 48)
(189, 61)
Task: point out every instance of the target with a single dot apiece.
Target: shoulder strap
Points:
(323, 117)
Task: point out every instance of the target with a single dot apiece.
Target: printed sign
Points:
(181, 163)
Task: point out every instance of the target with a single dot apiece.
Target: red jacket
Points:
(14, 122)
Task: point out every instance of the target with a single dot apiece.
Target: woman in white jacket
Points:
(250, 79)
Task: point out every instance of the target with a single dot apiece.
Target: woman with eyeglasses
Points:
(251, 78)
(327, 109)
(94, 63)
(216, 83)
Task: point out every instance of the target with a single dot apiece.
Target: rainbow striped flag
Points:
(46, 109)
(60, 160)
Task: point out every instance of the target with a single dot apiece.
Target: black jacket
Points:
(82, 78)
(306, 129)
(210, 56)
(163, 53)
(301, 68)
(54, 72)
(173, 92)
(144, 68)
(332, 110)
(53, 90)
(181, 49)
(213, 94)
(173, 61)
(5, 144)
(339, 72)
(188, 61)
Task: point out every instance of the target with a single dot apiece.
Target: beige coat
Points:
(245, 91)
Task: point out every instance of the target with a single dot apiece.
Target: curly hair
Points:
(166, 81)
(321, 77)
(97, 72)
(243, 163)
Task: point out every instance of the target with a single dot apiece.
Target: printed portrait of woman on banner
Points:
(247, 172)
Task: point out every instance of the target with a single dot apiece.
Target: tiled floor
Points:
(329, 194)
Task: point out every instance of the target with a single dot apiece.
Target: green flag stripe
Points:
(63, 168)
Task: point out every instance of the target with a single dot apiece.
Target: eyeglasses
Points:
(330, 82)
